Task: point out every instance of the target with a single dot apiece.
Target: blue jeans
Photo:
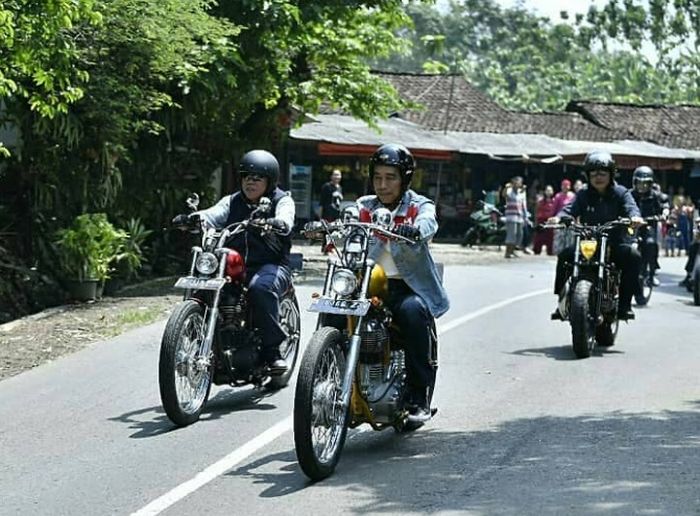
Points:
(416, 329)
(266, 286)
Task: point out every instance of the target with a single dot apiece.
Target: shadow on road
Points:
(563, 353)
(152, 421)
(614, 463)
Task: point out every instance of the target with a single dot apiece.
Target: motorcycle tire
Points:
(175, 374)
(317, 404)
(290, 320)
(471, 237)
(696, 286)
(645, 289)
(583, 328)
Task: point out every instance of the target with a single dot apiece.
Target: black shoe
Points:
(685, 283)
(625, 315)
(556, 316)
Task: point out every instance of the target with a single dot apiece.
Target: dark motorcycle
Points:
(209, 337)
(353, 370)
(590, 297)
(647, 269)
(487, 226)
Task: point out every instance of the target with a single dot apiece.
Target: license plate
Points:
(327, 305)
(190, 282)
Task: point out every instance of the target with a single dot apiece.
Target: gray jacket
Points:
(414, 262)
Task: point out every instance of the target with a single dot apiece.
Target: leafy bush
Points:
(92, 246)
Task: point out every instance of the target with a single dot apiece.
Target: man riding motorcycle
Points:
(603, 201)
(651, 203)
(416, 294)
(266, 254)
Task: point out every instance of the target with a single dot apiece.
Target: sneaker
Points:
(685, 282)
(419, 414)
(555, 315)
(655, 281)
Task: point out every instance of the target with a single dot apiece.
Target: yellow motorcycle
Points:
(353, 371)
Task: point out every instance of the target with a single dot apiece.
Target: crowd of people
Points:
(675, 233)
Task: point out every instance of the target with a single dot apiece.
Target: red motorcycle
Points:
(210, 336)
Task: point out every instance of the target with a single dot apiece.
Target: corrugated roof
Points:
(342, 129)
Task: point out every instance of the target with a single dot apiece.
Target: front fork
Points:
(213, 315)
(354, 348)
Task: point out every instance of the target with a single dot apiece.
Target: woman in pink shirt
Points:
(562, 237)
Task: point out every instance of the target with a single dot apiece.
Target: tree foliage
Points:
(124, 106)
(526, 61)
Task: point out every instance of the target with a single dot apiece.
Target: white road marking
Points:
(483, 311)
(240, 454)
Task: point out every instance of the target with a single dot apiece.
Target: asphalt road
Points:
(522, 427)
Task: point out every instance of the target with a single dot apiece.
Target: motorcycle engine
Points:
(239, 346)
(380, 381)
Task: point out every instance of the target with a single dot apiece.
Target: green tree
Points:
(525, 61)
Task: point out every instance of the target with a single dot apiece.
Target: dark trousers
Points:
(627, 259)
(416, 326)
(692, 253)
(544, 238)
(266, 286)
(650, 252)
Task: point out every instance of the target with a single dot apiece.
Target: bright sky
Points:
(549, 8)
(552, 8)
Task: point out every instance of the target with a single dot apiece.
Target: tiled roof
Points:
(473, 111)
(671, 126)
(470, 109)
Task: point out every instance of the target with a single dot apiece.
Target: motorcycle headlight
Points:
(588, 248)
(206, 263)
(343, 282)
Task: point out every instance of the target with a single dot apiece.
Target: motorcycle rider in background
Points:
(604, 201)
(266, 254)
(416, 295)
(651, 203)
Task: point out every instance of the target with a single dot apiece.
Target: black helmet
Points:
(394, 155)
(599, 160)
(642, 178)
(262, 163)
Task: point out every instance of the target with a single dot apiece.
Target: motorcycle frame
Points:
(354, 323)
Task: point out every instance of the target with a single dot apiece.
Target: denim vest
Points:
(413, 261)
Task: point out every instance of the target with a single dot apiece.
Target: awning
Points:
(350, 136)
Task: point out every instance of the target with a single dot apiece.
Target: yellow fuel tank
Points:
(378, 283)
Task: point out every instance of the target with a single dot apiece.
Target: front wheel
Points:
(471, 237)
(582, 318)
(290, 320)
(320, 421)
(184, 376)
(645, 286)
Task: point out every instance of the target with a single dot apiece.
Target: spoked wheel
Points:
(320, 422)
(606, 333)
(184, 375)
(290, 321)
(583, 323)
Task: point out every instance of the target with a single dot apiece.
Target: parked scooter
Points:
(488, 226)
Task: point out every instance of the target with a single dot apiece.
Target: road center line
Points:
(240, 454)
